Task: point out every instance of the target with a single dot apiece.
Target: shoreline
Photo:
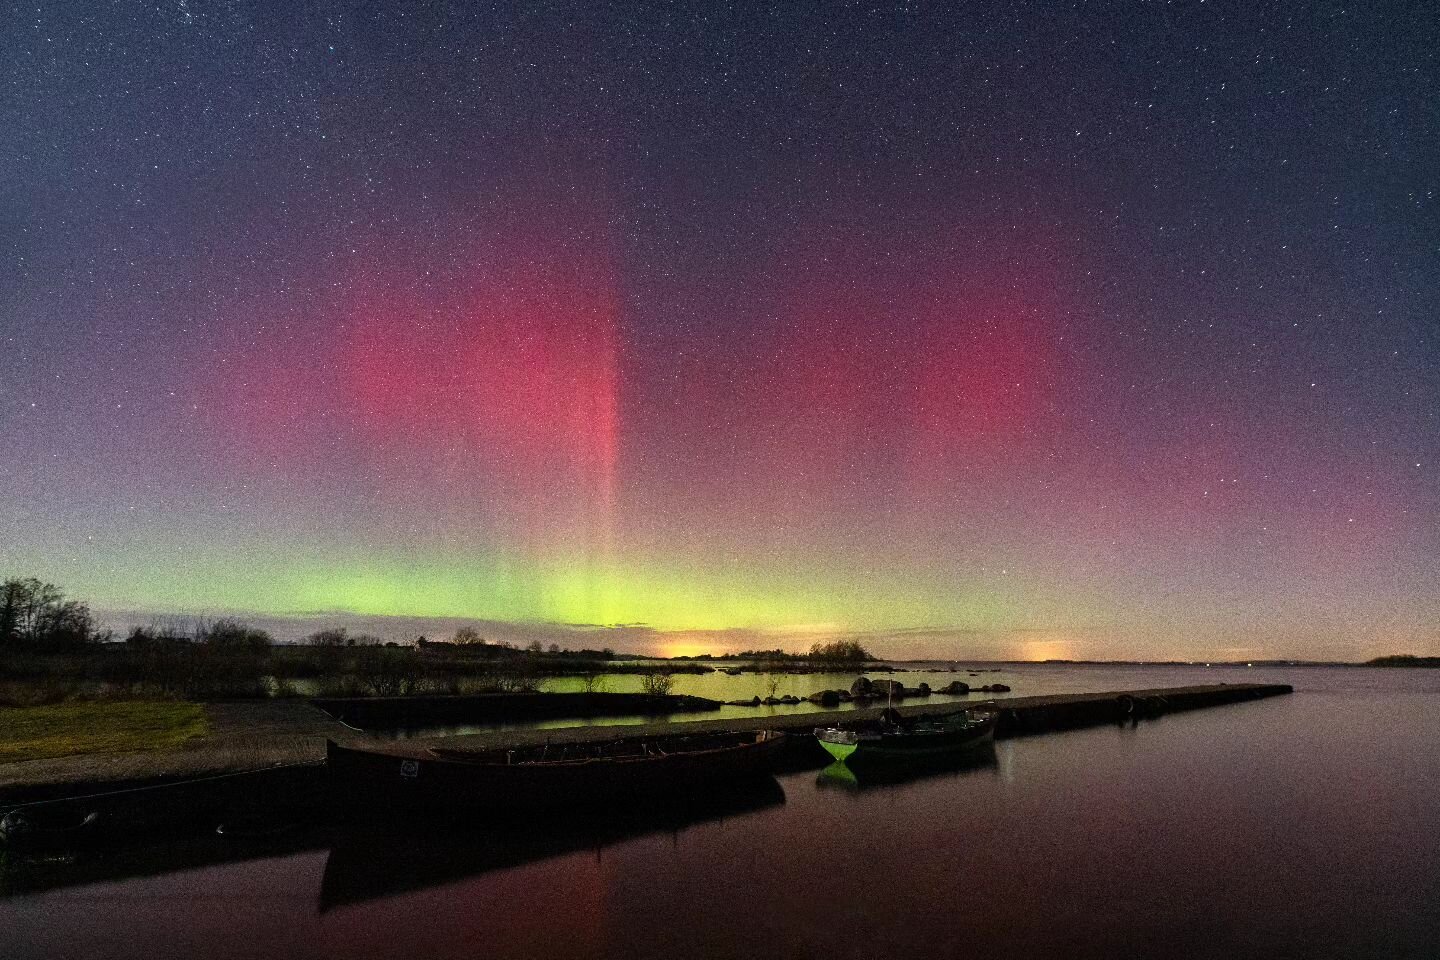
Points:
(266, 735)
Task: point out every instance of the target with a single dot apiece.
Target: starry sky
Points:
(1089, 330)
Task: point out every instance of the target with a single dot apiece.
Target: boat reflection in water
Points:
(877, 776)
(367, 862)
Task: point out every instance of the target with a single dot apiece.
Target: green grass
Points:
(68, 729)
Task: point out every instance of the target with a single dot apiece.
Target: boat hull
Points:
(899, 747)
(898, 743)
(449, 780)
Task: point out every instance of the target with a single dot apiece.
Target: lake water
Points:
(1023, 679)
(1300, 826)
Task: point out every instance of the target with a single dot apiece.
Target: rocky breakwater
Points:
(865, 691)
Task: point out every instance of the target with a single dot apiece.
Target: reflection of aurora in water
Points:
(893, 774)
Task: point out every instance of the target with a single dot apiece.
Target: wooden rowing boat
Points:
(896, 737)
(553, 775)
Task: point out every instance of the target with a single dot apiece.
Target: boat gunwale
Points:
(762, 738)
(497, 757)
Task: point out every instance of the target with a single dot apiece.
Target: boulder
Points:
(998, 688)
(790, 699)
(826, 698)
(862, 687)
(923, 689)
(957, 688)
(887, 688)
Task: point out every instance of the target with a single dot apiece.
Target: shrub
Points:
(233, 635)
(515, 675)
(388, 672)
(657, 683)
(329, 637)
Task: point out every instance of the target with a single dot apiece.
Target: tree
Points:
(467, 636)
(37, 614)
(231, 634)
(329, 637)
(840, 651)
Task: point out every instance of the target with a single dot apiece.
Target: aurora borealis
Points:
(983, 330)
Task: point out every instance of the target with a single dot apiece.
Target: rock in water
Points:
(887, 688)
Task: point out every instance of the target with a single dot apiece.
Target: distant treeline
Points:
(52, 650)
(836, 651)
(1403, 660)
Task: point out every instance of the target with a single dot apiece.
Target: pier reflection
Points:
(25, 872)
(369, 863)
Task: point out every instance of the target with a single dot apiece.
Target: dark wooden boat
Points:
(554, 775)
(896, 737)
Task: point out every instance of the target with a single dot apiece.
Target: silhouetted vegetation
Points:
(53, 651)
(657, 683)
(840, 651)
(1403, 660)
(37, 615)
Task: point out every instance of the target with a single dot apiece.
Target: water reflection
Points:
(26, 872)
(882, 776)
(366, 863)
(1297, 826)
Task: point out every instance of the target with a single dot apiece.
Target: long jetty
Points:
(1017, 716)
(300, 788)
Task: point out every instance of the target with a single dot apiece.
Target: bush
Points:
(330, 637)
(657, 683)
(515, 675)
(389, 672)
(233, 635)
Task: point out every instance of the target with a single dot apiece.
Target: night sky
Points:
(975, 330)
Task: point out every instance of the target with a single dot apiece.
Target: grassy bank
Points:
(67, 729)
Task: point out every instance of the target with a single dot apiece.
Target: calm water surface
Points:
(1303, 826)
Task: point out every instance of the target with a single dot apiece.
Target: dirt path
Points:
(244, 735)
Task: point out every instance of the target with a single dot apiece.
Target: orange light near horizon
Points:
(1045, 648)
(672, 651)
